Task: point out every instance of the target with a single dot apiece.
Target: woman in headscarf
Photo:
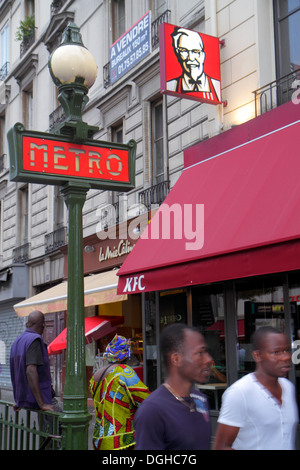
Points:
(117, 391)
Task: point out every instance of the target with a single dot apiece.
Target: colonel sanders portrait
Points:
(189, 50)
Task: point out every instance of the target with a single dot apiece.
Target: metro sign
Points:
(49, 159)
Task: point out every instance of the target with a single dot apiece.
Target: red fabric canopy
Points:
(95, 328)
(219, 326)
(250, 195)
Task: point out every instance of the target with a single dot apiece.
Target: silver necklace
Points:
(191, 405)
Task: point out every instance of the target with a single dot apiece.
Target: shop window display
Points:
(150, 358)
(172, 309)
(259, 302)
(208, 316)
(272, 300)
(294, 302)
(165, 308)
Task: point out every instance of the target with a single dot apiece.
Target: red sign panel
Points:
(44, 158)
(72, 159)
(189, 64)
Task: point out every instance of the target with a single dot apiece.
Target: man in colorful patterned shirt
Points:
(117, 392)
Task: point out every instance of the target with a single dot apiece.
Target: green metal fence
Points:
(28, 429)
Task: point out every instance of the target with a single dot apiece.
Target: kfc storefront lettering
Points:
(135, 284)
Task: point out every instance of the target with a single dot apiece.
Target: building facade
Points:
(259, 59)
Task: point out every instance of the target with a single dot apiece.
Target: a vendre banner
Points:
(130, 48)
(189, 64)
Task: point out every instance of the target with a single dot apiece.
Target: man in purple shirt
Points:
(29, 367)
(176, 416)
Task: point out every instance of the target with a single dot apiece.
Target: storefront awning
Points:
(95, 328)
(98, 289)
(220, 328)
(230, 216)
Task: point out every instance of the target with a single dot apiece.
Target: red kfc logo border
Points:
(189, 64)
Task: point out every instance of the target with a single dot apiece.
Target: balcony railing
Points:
(2, 162)
(56, 117)
(278, 92)
(110, 215)
(21, 253)
(55, 239)
(4, 71)
(27, 43)
(155, 41)
(163, 18)
(155, 195)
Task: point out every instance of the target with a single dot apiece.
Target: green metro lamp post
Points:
(70, 158)
(74, 70)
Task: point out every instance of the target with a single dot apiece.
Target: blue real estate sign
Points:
(130, 48)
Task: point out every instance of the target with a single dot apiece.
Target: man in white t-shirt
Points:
(259, 411)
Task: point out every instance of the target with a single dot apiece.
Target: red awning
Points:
(219, 326)
(95, 328)
(250, 197)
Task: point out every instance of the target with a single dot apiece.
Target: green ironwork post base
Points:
(75, 419)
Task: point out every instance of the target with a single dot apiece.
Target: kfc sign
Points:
(189, 64)
(49, 159)
(135, 284)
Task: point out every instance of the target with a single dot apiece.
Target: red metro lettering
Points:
(68, 159)
(134, 284)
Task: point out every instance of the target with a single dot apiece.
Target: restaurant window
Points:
(161, 309)
(4, 58)
(172, 309)
(287, 44)
(23, 215)
(294, 303)
(2, 143)
(158, 7)
(151, 332)
(115, 215)
(208, 315)
(1, 229)
(59, 209)
(117, 134)
(118, 18)
(259, 302)
(27, 98)
(29, 8)
(157, 143)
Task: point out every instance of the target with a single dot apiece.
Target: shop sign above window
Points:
(189, 64)
(133, 46)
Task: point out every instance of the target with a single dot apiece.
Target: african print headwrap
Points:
(118, 349)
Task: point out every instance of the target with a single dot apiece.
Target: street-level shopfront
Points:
(223, 251)
(13, 288)
(106, 312)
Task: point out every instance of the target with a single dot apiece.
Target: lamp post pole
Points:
(73, 88)
(76, 418)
